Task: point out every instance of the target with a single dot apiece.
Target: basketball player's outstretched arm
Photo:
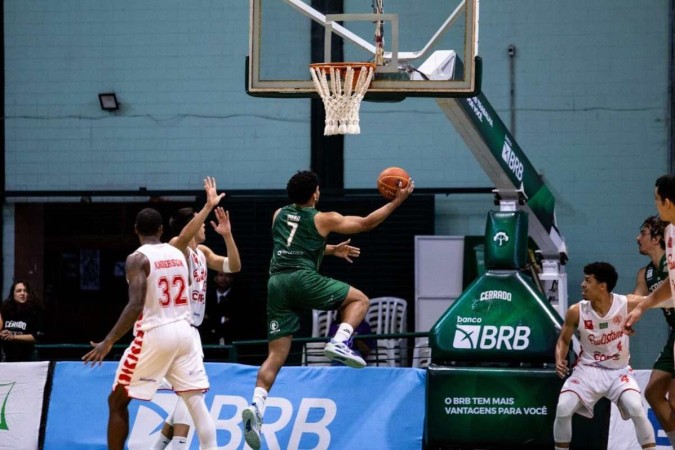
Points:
(230, 263)
(334, 222)
(190, 230)
(661, 297)
(562, 347)
(137, 270)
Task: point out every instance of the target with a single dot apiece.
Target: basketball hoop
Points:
(342, 87)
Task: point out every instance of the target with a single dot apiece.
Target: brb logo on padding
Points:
(488, 337)
(512, 160)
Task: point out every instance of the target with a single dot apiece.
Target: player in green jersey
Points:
(299, 234)
(651, 244)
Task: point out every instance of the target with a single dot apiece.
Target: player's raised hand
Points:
(403, 193)
(223, 227)
(100, 350)
(212, 196)
(346, 251)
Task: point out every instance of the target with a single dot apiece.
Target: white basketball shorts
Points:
(168, 351)
(591, 383)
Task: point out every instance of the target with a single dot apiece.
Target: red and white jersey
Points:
(198, 272)
(669, 237)
(603, 341)
(166, 296)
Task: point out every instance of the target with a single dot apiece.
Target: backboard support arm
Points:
(328, 21)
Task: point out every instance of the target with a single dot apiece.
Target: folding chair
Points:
(321, 322)
(387, 315)
(312, 352)
(421, 353)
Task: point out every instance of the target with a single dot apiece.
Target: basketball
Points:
(387, 182)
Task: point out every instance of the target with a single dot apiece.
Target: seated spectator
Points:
(362, 347)
(20, 323)
(221, 307)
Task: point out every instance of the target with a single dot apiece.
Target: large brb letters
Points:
(323, 408)
(489, 337)
(502, 317)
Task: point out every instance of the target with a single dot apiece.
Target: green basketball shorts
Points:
(291, 292)
(665, 360)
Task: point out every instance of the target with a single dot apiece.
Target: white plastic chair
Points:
(388, 315)
(421, 353)
(312, 352)
(321, 322)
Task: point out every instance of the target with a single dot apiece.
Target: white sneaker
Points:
(338, 351)
(252, 422)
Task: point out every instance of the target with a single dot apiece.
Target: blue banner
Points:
(308, 407)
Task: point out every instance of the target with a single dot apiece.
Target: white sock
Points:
(259, 398)
(162, 442)
(179, 443)
(671, 437)
(344, 332)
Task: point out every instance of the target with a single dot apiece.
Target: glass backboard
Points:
(428, 47)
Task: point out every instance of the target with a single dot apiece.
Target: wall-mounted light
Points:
(108, 101)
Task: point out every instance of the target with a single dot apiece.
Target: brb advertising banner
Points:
(500, 317)
(509, 407)
(322, 407)
(21, 392)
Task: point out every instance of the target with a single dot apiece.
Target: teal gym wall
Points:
(591, 113)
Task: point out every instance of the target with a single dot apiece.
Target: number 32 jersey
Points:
(166, 297)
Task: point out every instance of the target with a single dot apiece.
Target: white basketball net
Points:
(342, 101)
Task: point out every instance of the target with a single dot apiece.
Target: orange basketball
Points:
(388, 181)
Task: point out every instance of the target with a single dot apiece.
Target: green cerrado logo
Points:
(5, 389)
(501, 238)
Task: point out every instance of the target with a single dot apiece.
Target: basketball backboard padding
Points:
(283, 37)
(439, 66)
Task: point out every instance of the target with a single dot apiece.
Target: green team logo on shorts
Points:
(274, 327)
(5, 389)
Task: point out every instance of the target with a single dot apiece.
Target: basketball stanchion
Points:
(342, 86)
